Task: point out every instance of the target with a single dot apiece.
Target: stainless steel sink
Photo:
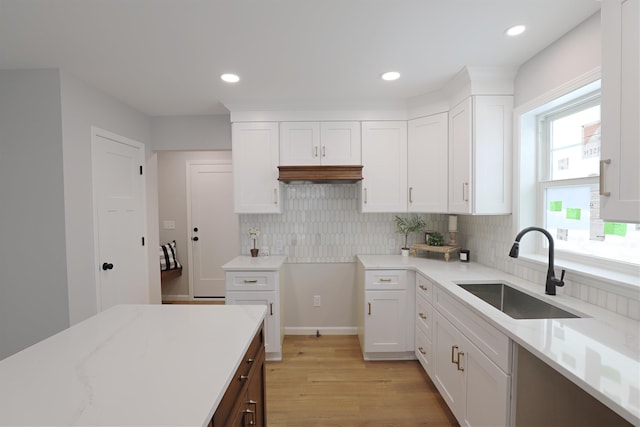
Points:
(515, 303)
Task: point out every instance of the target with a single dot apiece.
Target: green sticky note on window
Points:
(573, 213)
(555, 206)
(615, 228)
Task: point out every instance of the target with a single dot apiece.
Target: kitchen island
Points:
(133, 365)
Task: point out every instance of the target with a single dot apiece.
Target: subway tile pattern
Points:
(322, 223)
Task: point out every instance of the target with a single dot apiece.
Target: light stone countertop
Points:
(131, 365)
(247, 263)
(585, 346)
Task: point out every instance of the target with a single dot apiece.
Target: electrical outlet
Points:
(316, 300)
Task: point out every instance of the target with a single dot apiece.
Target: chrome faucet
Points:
(552, 282)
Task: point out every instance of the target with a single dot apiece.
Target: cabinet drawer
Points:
(493, 343)
(424, 350)
(424, 315)
(250, 281)
(424, 287)
(385, 279)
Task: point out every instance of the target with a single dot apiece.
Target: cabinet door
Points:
(427, 164)
(448, 377)
(255, 155)
(620, 155)
(272, 320)
(487, 390)
(460, 158)
(384, 157)
(340, 143)
(300, 143)
(491, 154)
(385, 321)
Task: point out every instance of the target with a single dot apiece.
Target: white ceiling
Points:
(164, 57)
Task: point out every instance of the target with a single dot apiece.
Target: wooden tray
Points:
(444, 249)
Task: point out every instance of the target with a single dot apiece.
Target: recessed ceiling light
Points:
(230, 78)
(390, 75)
(515, 30)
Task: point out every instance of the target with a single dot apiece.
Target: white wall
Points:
(211, 132)
(82, 107)
(33, 273)
(574, 54)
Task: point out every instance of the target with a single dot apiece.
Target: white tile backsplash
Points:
(321, 223)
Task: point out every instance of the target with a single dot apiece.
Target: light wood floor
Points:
(325, 382)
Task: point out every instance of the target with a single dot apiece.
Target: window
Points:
(567, 188)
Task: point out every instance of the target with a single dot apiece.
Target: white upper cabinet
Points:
(427, 165)
(620, 152)
(384, 157)
(255, 152)
(320, 143)
(480, 155)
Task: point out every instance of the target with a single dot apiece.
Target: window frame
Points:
(528, 196)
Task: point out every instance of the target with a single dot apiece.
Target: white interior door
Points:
(119, 209)
(213, 227)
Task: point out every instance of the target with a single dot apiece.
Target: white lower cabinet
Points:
(272, 320)
(259, 287)
(476, 390)
(385, 314)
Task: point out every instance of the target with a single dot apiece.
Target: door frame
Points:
(188, 164)
(95, 133)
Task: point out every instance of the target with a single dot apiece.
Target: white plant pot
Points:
(404, 252)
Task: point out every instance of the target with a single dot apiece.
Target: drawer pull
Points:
(243, 377)
(423, 287)
(453, 350)
(369, 308)
(421, 350)
(250, 280)
(271, 309)
(384, 279)
(460, 368)
(249, 360)
(422, 316)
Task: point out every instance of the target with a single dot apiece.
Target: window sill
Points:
(624, 284)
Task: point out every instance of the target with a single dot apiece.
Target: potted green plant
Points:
(406, 226)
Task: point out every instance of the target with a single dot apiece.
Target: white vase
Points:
(404, 252)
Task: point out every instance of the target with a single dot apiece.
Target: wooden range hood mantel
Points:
(342, 174)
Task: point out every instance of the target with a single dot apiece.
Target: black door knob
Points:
(195, 239)
(195, 229)
(107, 266)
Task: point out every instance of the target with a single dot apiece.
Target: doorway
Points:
(175, 215)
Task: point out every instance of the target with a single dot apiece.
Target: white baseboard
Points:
(324, 330)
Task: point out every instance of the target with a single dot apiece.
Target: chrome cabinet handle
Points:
(602, 163)
(324, 151)
(271, 309)
(421, 350)
(369, 308)
(315, 151)
(384, 279)
(275, 196)
(422, 316)
(410, 194)
(365, 196)
(251, 281)
(423, 287)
